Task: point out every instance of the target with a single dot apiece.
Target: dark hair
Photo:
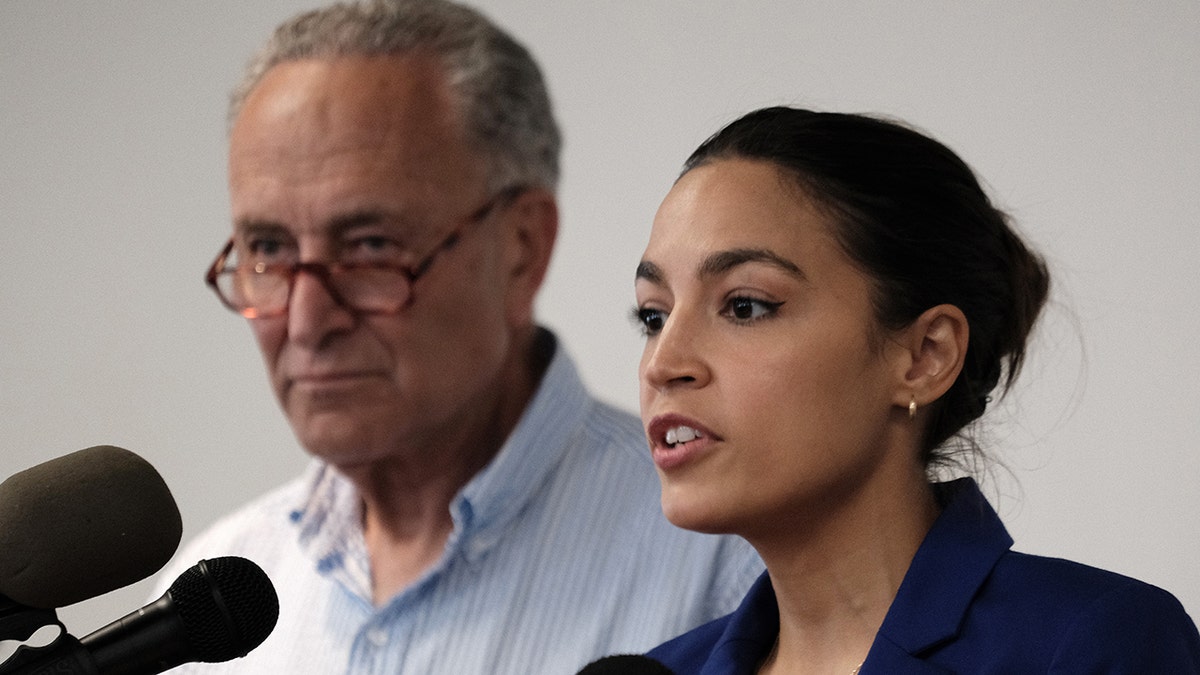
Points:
(914, 217)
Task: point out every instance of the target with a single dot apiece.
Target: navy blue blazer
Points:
(969, 604)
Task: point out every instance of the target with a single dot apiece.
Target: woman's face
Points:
(766, 384)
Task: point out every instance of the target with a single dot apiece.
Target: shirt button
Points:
(377, 637)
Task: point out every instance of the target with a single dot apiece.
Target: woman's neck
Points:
(835, 575)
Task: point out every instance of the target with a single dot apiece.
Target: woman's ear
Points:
(937, 348)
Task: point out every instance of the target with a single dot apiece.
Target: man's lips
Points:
(332, 378)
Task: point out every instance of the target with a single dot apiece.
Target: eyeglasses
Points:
(260, 290)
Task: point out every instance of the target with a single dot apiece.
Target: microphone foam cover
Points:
(228, 606)
(82, 525)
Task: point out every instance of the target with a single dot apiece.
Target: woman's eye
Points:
(650, 321)
(744, 309)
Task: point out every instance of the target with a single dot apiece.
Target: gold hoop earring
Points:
(912, 409)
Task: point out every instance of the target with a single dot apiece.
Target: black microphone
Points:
(218, 610)
(82, 525)
(625, 664)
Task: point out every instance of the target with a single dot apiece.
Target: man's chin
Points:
(335, 439)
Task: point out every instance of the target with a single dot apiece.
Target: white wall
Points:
(1081, 115)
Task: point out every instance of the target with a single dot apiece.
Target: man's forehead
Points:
(327, 201)
(367, 96)
(350, 125)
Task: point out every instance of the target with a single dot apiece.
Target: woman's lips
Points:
(676, 440)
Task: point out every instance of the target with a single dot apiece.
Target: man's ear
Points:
(532, 227)
(936, 344)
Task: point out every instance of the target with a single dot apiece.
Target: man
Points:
(470, 508)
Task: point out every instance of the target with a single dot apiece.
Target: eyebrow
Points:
(721, 262)
(649, 271)
(335, 228)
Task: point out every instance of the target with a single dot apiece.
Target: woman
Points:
(829, 300)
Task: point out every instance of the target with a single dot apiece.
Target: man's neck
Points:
(406, 498)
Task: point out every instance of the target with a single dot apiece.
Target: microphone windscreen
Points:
(82, 525)
(217, 610)
(626, 664)
(228, 606)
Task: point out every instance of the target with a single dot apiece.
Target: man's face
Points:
(333, 159)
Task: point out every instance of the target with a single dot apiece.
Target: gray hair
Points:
(500, 89)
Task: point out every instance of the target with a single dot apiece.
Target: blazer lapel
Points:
(886, 657)
(952, 563)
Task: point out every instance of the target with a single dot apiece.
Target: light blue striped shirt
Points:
(560, 554)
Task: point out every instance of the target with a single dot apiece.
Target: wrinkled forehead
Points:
(317, 140)
(400, 108)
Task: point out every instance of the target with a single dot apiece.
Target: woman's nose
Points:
(673, 358)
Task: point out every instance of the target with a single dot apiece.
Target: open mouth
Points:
(681, 434)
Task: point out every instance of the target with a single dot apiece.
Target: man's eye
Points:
(649, 320)
(266, 250)
(744, 309)
(373, 249)
(373, 243)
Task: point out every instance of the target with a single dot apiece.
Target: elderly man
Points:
(470, 508)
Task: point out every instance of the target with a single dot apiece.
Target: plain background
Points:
(1082, 117)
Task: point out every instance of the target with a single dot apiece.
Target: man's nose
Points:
(314, 310)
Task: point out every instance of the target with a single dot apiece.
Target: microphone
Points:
(218, 610)
(625, 664)
(82, 525)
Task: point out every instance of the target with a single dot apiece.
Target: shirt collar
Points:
(328, 522)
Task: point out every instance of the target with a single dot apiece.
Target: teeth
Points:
(682, 434)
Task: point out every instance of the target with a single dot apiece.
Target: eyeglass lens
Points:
(264, 291)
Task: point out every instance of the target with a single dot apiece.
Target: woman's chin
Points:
(692, 511)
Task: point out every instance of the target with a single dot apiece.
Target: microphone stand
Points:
(64, 655)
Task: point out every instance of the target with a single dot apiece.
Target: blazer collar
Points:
(952, 563)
